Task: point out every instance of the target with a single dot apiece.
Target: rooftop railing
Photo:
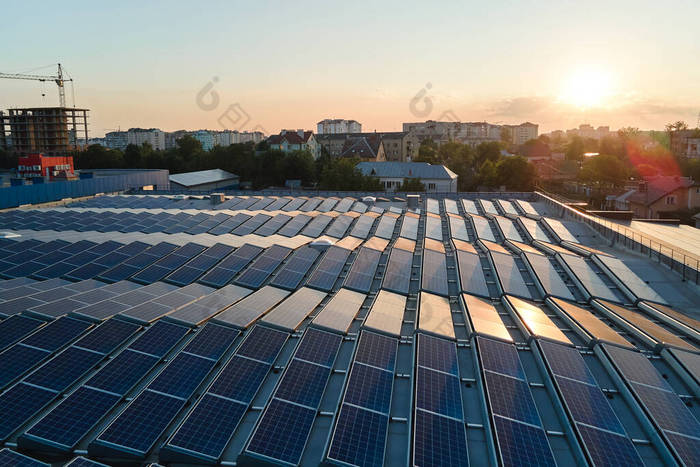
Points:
(682, 261)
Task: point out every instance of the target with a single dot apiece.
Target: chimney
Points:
(300, 133)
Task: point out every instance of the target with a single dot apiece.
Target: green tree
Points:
(299, 165)
(676, 126)
(132, 156)
(427, 152)
(604, 170)
(488, 151)
(411, 184)
(516, 173)
(488, 176)
(575, 149)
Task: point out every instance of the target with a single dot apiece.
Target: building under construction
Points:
(52, 131)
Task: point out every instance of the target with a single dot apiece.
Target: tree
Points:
(488, 151)
(676, 126)
(132, 156)
(487, 174)
(411, 184)
(516, 173)
(535, 148)
(342, 174)
(299, 165)
(427, 152)
(604, 170)
(575, 149)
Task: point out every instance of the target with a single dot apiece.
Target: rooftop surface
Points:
(406, 170)
(202, 177)
(479, 329)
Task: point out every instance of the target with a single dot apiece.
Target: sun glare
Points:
(587, 88)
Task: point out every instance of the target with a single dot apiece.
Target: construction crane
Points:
(58, 79)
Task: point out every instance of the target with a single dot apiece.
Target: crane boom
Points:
(58, 79)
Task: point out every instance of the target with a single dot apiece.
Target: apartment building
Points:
(336, 126)
(295, 140)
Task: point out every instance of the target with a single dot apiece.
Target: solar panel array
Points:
(140, 329)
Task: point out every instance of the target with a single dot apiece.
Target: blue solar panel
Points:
(182, 375)
(57, 333)
(64, 369)
(240, 379)
(359, 437)
(293, 272)
(106, 337)
(500, 357)
(363, 269)
(438, 354)
(636, 367)
(231, 265)
(369, 387)
(123, 372)
(667, 410)
(604, 448)
(263, 344)
(9, 458)
(397, 276)
(511, 398)
(303, 383)
(18, 404)
(17, 360)
(319, 347)
(377, 350)
(263, 266)
(159, 338)
(143, 422)
(84, 462)
(212, 341)
(439, 441)
(438, 393)
(329, 268)
(521, 444)
(15, 328)
(687, 449)
(209, 427)
(587, 404)
(282, 431)
(566, 361)
(71, 420)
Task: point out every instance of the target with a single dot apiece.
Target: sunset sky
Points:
(290, 64)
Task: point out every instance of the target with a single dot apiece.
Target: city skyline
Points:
(557, 67)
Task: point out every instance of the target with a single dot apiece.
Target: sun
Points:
(587, 88)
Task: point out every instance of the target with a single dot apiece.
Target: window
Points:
(670, 200)
(431, 186)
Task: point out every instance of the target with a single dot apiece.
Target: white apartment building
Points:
(152, 136)
(588, 131)
(335, 126)
(523, 132)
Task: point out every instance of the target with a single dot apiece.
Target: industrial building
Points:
(495, 329)
(204, 180)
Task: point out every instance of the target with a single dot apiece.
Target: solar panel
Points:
(273, 225)
(293, 272)
(369, 387)
(19, 403)
(635, 367)
(159, 338)
(434, 274)
(316, 226)
(377, 350)
(359, 437)
(294, 226)
(362, 226)
(521, 444)
(437, 354)
(182, 375)
(471, 274)
(211, 341)
(63, 370)
(329, 268)
(231, 265)
(566, 361)
(9, 458)
(548, 277)
(340, 311)
(605, 448)
(263, 344)
(263, 266)
(303, 383)
(15, 328)
(281, 434)
(70, 421)
(363, 269)
(588, 405)
(500, 357)
(121, 373)
(143, 421)
(56, 334)
(85, 462)
(339, 226)
(385, 227)
(397, 275)
(106, 337)
(17, 360)
(439, 441)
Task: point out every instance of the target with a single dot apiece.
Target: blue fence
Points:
(103, 182)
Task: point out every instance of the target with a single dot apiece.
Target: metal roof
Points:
(202, 177)
(421, 170)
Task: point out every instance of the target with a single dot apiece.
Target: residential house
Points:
(367, 148)
(299, 140)
(657, 195)
(436, 178)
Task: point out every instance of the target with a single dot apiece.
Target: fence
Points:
(679, 260)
